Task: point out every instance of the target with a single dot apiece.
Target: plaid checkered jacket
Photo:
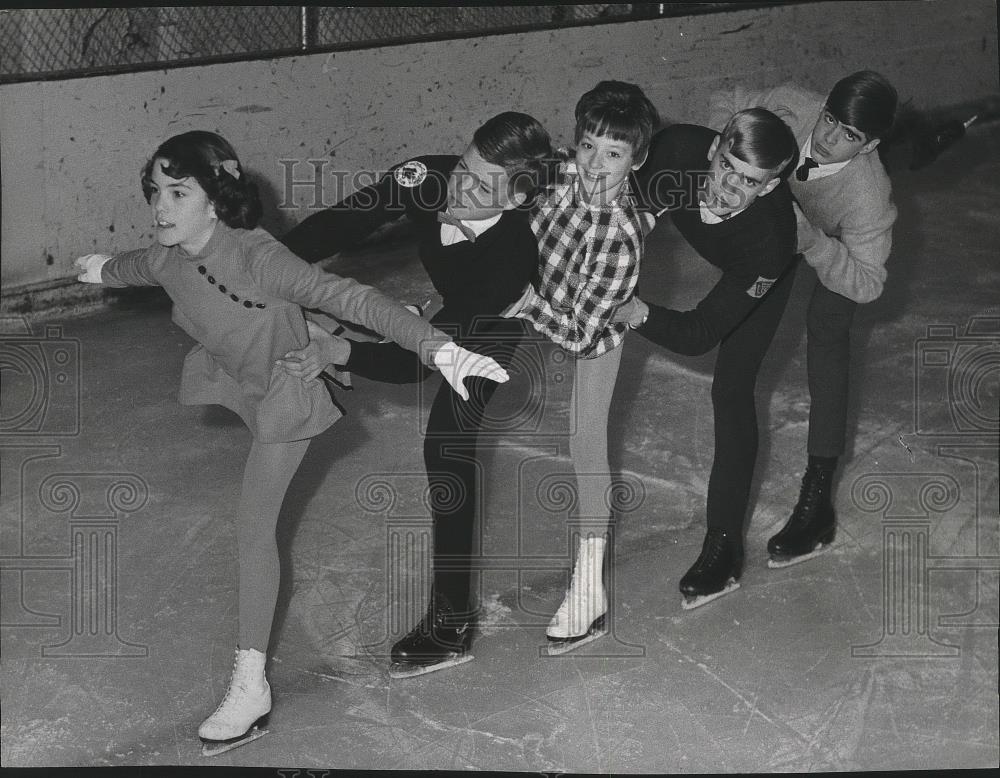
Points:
(589, 264)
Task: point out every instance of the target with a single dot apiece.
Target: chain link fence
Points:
(45, 43)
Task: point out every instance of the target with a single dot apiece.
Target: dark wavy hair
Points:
(620, 111)
(212, 162)
(520, 145)
(866, 101)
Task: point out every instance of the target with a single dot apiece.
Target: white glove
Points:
(91, 265)
(456, 364)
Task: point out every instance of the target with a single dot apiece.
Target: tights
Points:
(269, 470)
(590, 404)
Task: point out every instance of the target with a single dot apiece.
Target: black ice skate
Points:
(716, 571)
(811, 527)
(439, 641)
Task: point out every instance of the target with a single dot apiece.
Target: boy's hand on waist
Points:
(633, 313)
(322, 351)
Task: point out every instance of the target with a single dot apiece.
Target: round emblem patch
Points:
(411, 174)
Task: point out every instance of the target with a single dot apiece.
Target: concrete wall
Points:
(71, 150)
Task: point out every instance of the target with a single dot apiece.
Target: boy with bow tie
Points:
(476, 244)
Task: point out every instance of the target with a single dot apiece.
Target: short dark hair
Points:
(761, 139)
(620, 111)
(866, 101)
(519, 144)
(212, 162)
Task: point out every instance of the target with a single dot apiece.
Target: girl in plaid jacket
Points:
(590, 241)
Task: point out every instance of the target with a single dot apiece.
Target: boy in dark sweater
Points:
(727, 196)
(845, 215)
(477, 246)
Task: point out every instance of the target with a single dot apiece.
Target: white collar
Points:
(707, 217)
(451, 234)
(822, 171)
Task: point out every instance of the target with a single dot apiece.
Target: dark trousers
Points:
(828, 358)
(733, 403)
(454, 472)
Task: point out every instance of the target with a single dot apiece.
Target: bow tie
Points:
(803, 172)
(446, 218)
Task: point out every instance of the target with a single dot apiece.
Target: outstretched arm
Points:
(345, 224)
(387, 362)
(130, 268)
(284, 275)
(699, 330)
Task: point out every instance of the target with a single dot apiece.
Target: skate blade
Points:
(403, 670)
(696, 602)
(557, 646)
(776, 563)
(216, 747)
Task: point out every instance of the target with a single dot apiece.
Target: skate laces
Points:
(713, 548)
(230, 687)
(585, 592)
(240, 678)
(812, 490)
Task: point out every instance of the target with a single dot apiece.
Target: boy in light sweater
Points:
(844, 214)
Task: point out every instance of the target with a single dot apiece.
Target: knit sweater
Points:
(753, 248)
(844, 220)
(241, 299)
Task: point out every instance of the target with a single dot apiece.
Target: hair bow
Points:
(231, 166)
